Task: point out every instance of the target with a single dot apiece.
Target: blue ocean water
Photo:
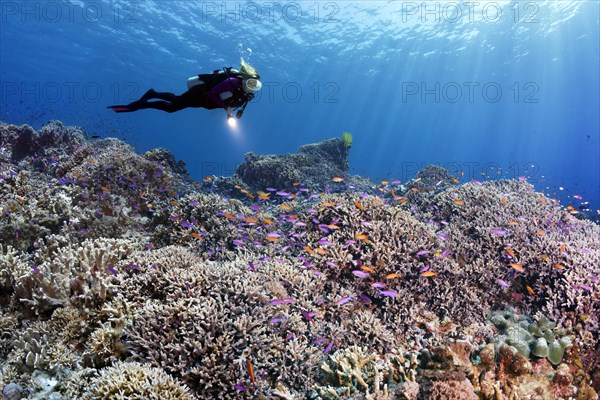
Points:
(488, 89)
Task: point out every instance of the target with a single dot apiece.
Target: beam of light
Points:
(232, 123)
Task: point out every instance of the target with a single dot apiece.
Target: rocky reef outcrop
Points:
(313, 164)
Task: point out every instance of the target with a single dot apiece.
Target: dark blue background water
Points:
(493, 89)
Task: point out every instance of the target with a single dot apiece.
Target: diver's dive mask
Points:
(252, 85)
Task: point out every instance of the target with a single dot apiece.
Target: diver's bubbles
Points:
(246, 53)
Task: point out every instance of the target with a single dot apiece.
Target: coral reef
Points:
(117, 273)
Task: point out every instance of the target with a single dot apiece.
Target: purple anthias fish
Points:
(502, 283)
(360, 274)
(388, 293)
(378, 285)
(324, 242)
(423, 252)
(287, 300)
(499, 231)
(308, 315)
(344, 300)
(365, 299)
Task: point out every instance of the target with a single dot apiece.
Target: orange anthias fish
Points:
(359, 206)
(251, 220)
(518, 267)
(311, 251)
(337, 179)
(286, 207)
(459, 202)
(562, 248)
(104, 188)
(504, 201)
(263, 196)
(559, 266)
(429, 273)
(361, 236)
(227, 215)
(196, 235)
(328, 204)
(268, 221)
(321, 251)
(392, 276)
(530, 290)
(250, 371)
(509, 251)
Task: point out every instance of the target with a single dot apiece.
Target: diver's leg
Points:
(141, 105)
(162, 105)
(160, 95)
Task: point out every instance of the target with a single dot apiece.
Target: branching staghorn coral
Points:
(355, 370)
(135, 381)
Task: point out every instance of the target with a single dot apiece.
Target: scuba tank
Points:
(194, 81)
(207, 78)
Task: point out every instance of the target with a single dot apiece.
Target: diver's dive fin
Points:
(120, 109)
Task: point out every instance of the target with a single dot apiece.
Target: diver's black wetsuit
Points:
(199, 96)
(196, 96)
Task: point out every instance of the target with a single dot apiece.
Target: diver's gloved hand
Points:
(239, 114)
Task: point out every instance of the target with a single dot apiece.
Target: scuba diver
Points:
(228, 88)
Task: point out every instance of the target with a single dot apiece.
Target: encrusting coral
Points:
(538, 338)
(119, 273)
